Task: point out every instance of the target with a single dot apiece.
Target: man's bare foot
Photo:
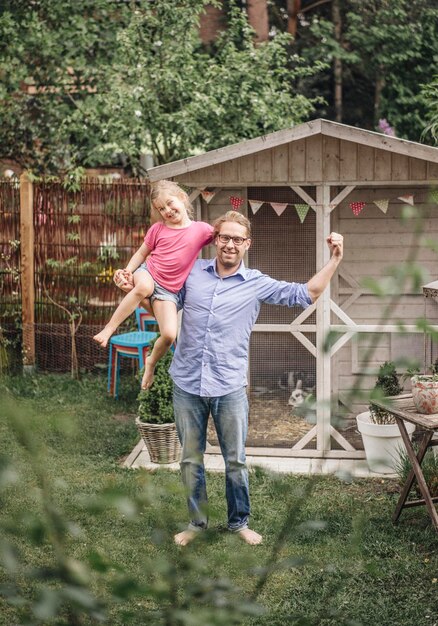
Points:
(148, 376)
(250, 536)
(103, 337)
(184, 538)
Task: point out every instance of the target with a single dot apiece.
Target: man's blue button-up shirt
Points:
(211, 356)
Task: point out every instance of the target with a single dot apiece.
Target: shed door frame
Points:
(323, 430)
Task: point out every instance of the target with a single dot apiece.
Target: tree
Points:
(99, 81)
(430, 95)
(398, 45)
(52, 56)
(258, 18)
(173, 100)
(379, 52)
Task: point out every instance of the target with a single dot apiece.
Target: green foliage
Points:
(11, 313)
(100, 82)
(388, 49)
(84, 540)
(387, 384)
(398, 48)
(430, 94)
(156, 404)
(429, 467)
(175, 100)
(52, 60)
(107, 84)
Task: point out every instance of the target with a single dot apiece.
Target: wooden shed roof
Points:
(321, 127)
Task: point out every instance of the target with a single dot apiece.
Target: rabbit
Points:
(298, 395)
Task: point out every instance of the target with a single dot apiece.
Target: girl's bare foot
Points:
(148, 376)
(250, 536)
(103, 337)
(184, 538)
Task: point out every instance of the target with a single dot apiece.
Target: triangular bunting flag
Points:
(408, 199)
(382, 204)
(236, 202)
(357, 207)
(208, 195)
(255, 205)
(434, 195)
(279, 207)
(302, 210)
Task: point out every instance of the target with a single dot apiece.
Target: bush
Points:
(156, 404)
(387, 384)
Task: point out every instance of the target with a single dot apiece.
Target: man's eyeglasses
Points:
(238, 241)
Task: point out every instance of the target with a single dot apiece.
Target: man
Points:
(221, 300)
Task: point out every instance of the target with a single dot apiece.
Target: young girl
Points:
(172, 247)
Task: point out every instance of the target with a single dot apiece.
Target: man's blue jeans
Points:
(230, 416)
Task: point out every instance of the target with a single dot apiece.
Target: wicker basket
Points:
(161, 441)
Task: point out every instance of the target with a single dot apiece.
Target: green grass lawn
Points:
(85, 540)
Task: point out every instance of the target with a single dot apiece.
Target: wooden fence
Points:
(59, 248)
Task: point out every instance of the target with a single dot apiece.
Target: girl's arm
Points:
(138, 258)
(124, 277)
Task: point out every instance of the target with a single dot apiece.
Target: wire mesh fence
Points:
(284, 248)
(81, 236)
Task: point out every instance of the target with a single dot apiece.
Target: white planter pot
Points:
(382, 443)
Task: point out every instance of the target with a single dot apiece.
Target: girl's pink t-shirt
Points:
(174, 251)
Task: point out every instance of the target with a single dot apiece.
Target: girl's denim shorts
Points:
(160, 293)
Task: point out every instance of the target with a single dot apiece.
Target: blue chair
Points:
(145, 321)
(134, 345)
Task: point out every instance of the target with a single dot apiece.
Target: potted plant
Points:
(155, 420)
(381, 436)
(425, 390)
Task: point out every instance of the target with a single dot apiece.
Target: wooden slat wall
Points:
(315, 159)
(374, 242)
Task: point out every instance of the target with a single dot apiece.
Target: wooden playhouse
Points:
(296, 186)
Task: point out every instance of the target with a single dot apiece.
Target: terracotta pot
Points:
(425, 393)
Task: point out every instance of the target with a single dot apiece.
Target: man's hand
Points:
(124, 279)
(319, 282)
(335, 242)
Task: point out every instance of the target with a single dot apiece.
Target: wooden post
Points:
(27, 237)
(323, 364)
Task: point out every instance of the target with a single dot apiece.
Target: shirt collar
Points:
(211, 267)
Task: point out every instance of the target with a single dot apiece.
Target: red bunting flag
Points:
(236, 202)
(357, 207)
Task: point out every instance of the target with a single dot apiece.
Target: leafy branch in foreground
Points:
(171, 587)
